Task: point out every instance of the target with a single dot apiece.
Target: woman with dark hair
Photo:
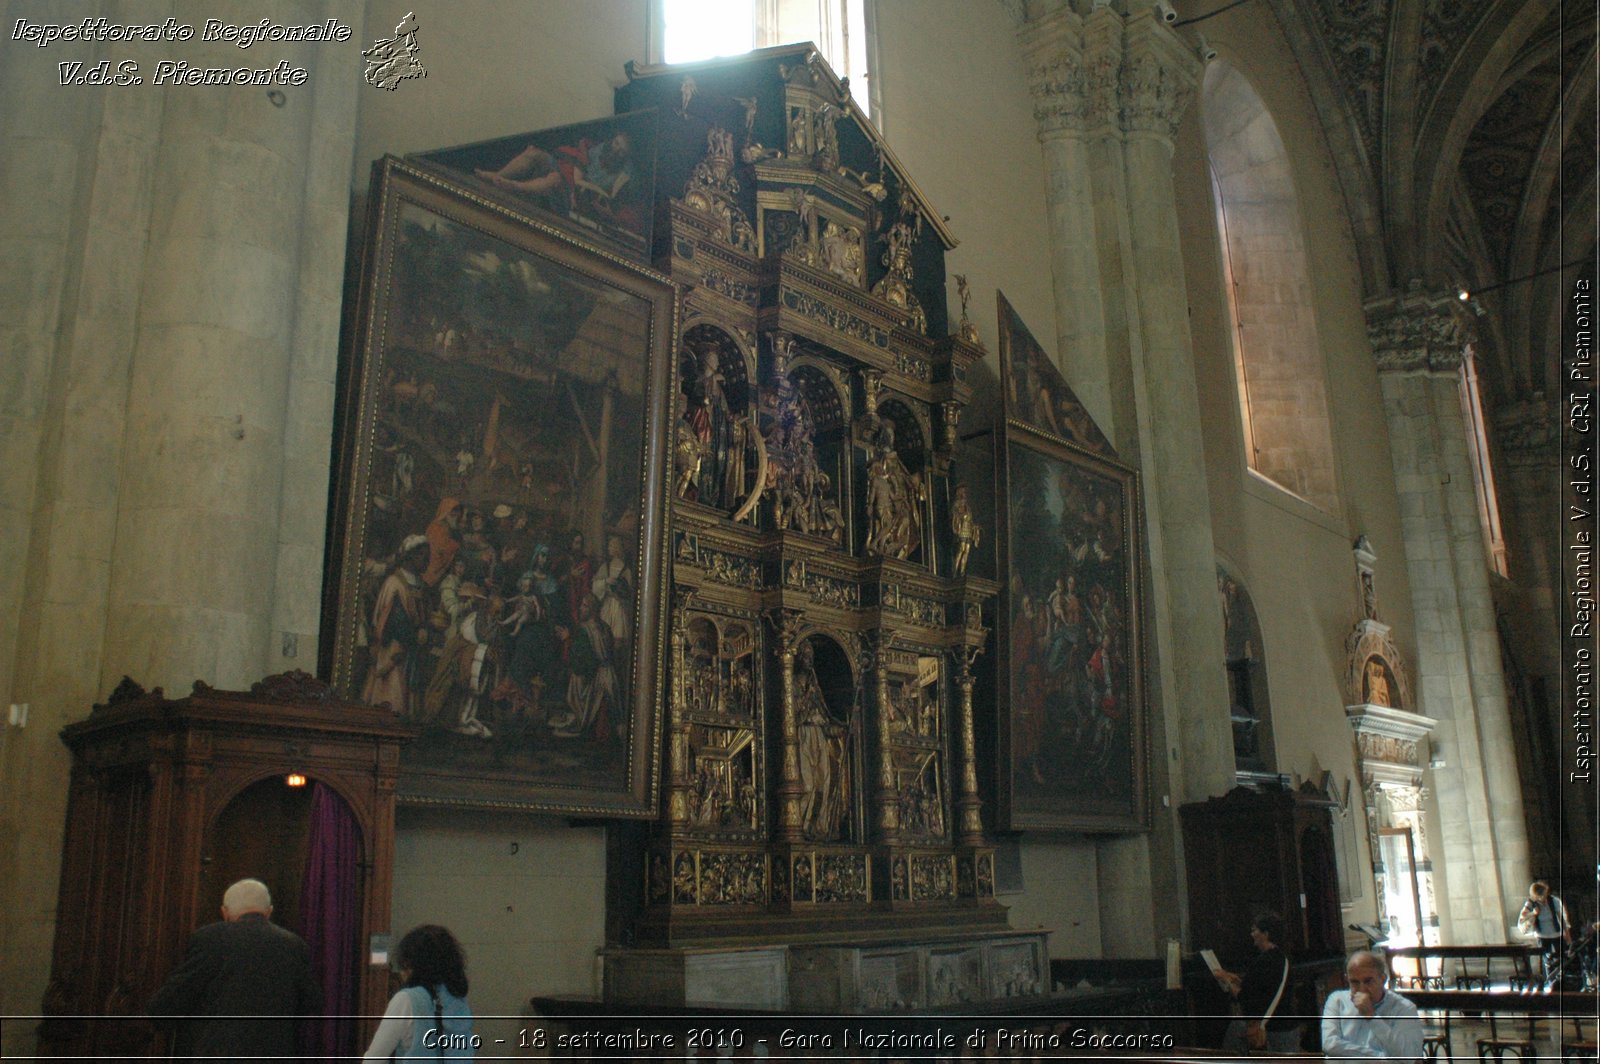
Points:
(428, 1017)
(1263, 994)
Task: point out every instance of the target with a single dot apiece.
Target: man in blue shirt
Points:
(1368, 1019)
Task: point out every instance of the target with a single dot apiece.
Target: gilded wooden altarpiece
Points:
(819, 772)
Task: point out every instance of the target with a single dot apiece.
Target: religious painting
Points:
(1034, 392)
(597, 177)
(501, 498)
(1071, 723)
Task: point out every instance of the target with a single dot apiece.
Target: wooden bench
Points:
(1495, 1004)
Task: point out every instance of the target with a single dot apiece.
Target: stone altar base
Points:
(980, 970)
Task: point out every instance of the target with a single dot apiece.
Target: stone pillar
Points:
(1053, 53)
(1159, 74)
(1418, 342)
(225, 301)
(1528, 482)
(138, 225)
(74, 212)
(1109, 90)
(1529, 486)
(314, 364)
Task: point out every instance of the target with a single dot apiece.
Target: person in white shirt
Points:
(1370, 1020)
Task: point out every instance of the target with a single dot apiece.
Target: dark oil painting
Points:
(596, 177)
(502, 497)
(1035, 392)
(1073, 733)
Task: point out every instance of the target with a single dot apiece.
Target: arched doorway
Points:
(303, 841)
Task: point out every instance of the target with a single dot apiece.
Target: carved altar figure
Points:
(824, 755)
(800, 492)
(688, 454)
(841, 251)
(710, 455)
(965, 527)
(895, 286)
(894, 493)
(1377, 684)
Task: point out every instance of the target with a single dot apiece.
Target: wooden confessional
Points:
(170, 801)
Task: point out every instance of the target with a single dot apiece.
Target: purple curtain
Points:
(329, 900)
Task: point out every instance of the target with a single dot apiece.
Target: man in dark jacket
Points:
(242, 983)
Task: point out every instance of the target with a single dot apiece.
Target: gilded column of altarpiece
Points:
(819, 769)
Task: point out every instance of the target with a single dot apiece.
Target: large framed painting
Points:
(596, 177)
(500, 503)
(1072, 729)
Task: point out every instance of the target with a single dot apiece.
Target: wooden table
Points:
(1465, 979)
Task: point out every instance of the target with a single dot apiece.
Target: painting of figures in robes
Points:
(1072, 720)
(594, 177)
(502, 487)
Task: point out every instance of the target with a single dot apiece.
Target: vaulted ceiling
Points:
(1464, 134)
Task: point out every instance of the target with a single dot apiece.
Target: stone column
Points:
(1418, 342)
(1529, 476)
(314, 363)
(1053, 54)
(1109, 90)
(120, 208)
(227, 296)
(1528, 482)
(74, 210)
(1158, 78)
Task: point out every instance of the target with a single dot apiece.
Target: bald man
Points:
(242, 983)
(1369, 1019)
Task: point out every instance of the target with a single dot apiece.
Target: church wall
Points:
(958, 114)
(524, 894)
(145, 224)
(1294, 557)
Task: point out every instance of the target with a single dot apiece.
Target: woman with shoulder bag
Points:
(428, 1018)
(1262, 994)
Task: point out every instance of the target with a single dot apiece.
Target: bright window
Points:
(1277, 356)
(693, 30)
(705, 29)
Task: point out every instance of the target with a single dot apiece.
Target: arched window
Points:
(1249, 704)
(1494, 540)
(1277, 356)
